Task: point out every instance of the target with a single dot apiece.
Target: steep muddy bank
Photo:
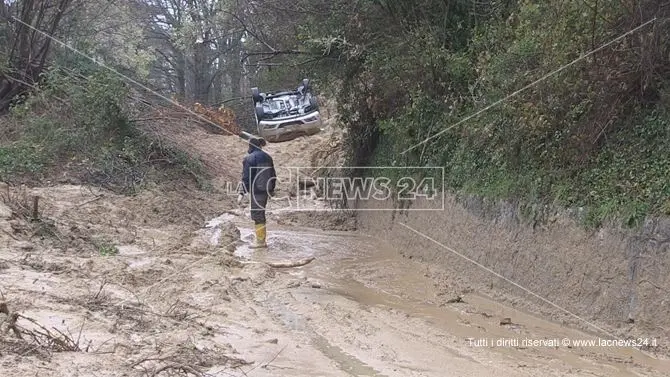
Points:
(616, 279)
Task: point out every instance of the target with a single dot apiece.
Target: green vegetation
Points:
(77, 124)
(594, 135)
(107, 249)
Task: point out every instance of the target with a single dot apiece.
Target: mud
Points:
(610, 278)
(165, 284)
(174, 298)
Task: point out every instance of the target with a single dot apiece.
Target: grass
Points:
(107, 249)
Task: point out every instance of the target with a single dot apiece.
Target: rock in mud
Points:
(505, 321)
(238, 279)
(455, 300)
(223, 234)
(293, 284)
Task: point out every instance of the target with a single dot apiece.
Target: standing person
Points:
(258, 180)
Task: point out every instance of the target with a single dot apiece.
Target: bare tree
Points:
(26, 51)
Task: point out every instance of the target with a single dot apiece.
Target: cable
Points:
(498, 102)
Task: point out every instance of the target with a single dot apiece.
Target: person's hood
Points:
(255, 144)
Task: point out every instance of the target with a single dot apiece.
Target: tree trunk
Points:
(200, 73)
(235, 68)
(180, 70)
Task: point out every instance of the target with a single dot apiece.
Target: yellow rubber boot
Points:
(260, 237)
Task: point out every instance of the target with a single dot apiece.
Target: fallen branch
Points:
(290, 264)
(91, 200)
(185, 361)
(275, 357)
(265, 365)
(44, 338)
(10, 319)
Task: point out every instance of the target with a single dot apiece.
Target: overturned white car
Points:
(283, 116)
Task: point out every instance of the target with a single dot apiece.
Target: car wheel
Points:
(256, 95)
(260, 112)
(313, 103)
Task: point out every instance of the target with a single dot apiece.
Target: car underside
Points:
(283, 116)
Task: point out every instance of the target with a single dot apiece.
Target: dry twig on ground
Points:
(289, 264)
(49, 340)
(56, 341)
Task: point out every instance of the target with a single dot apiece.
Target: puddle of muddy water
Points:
(289, 244)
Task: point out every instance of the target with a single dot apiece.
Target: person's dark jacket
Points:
(258, 172)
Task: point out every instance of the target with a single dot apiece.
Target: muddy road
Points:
(164, 284)
(373, 313)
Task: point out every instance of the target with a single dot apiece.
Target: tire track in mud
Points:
(286, 315)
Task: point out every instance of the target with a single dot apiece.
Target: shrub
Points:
(77, 123)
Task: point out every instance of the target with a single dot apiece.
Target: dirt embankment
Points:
(613, 278)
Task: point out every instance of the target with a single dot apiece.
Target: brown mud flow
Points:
(362, 300)
(158, 285)
(142, 291)
(611, 277)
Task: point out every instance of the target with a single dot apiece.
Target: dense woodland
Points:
(561, 103)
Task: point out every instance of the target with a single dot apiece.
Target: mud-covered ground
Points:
(164, 284)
